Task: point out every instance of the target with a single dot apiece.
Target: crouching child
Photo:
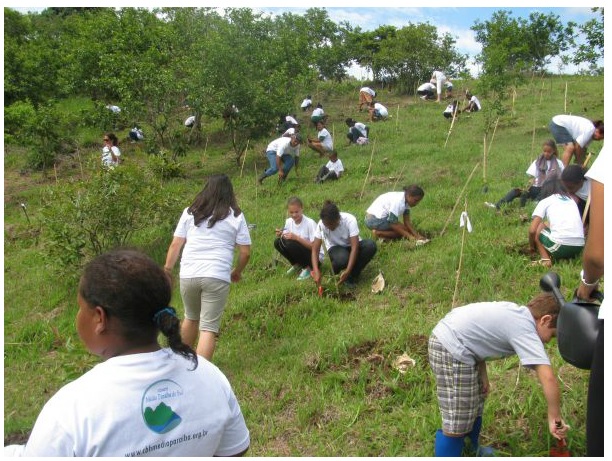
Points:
(462, 342)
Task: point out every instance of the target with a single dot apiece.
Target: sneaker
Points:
(424, 98)
(304, 275)
(485, 451)
(293, 269)
(490, 205)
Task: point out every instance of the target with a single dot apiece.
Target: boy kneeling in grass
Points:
(469, 335)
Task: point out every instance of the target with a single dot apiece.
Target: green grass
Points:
(315, 376)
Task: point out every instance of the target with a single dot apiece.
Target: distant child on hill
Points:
(460, 346)
(332, 170)
(546, 166)
(451, 110)
(426, 91)
(318, 114)
(556, 229)
(294, 240)
(378, 112)
(306, 103)
(357, 130)
(324, 142)
(473, 104)
(366, 96)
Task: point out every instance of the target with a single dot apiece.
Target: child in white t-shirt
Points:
(546, 166)
(556, 229)
(294, 240)
(331, 170)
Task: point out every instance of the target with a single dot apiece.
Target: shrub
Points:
(86, 218)
(18, 120)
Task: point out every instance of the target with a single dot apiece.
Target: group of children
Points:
(558, 222)
(465, 338)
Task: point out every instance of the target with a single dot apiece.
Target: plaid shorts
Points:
(459, 391)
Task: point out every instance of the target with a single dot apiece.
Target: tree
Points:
(591, 51)
(511, 47)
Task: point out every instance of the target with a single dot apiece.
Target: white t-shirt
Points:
(317, 112)
(449, 109)
(389, 204)
(142, 404)
(282, 146)
(341, 235)
(382, 110)
(476, 102)
(326, 139)
(305, 229)
(114, 109)
(428, 86)
(336, 166)
(209, 252)
(580, 129)
(291, 120)
(563, 218)
(107, 158)
(362, 129)
(367, 89)
(539, 179)
(439, 78)
(306, 103)
(189, 121)
(596, 172)
(491, 330)
(289, 132)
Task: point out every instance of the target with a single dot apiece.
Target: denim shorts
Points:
(374, 223)
(561, 135)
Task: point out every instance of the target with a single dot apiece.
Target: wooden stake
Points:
(458, 198)
(368, 173)
(484, 160)
(565, 100)
(397, 119)
(493, 136)
(452, 123)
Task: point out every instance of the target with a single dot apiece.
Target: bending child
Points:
(348, 253)
(556, 228)
(462, 342)
(331, 170)
(545, 167)
(294, 240)
(383, 215)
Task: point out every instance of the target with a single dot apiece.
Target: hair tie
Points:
(166, 310)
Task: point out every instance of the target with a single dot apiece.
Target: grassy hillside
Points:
(316, 376)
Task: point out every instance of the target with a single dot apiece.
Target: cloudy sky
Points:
(455, 18)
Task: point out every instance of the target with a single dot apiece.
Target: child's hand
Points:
(278, 232)
(558, 428)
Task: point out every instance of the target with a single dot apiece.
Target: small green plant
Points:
(164, 166)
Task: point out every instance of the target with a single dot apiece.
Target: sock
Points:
(447, 446)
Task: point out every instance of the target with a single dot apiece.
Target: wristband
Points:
(583, 280)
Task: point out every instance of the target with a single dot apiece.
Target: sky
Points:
(453, 18)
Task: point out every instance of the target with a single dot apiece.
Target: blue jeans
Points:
(287, 160)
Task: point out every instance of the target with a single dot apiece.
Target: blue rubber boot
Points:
(447, 446)
(475, 435)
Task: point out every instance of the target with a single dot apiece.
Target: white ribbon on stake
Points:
(465, 219)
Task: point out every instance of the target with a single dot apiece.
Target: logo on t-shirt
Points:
(157, 403)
